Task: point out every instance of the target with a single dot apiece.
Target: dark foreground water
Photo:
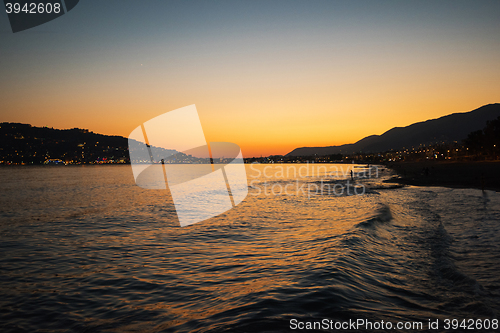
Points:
(83, 249)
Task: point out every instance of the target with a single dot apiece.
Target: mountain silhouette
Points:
(453, 127)
(23, 143)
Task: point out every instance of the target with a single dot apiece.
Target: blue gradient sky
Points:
(267, 75)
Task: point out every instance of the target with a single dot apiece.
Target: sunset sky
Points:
(269, 76)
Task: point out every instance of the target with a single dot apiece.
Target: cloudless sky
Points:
(269, 76)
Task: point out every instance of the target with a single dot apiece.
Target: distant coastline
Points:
(465, 141)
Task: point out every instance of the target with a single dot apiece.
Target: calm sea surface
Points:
(83, 249)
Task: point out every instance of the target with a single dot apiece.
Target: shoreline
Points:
(476, 175)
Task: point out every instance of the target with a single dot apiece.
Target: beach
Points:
(478, 175)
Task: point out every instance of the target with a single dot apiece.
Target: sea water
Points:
(82, 248)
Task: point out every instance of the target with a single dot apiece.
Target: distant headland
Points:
(448, 129)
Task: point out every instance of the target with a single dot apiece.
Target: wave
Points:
(383, 215)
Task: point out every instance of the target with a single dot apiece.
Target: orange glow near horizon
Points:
(263, 126)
